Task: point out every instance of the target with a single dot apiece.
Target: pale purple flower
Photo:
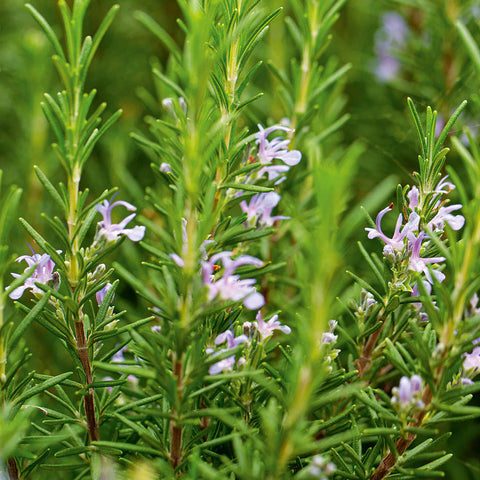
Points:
(260, 209)
(177, 259)
(165, 168)
(473, 309)
(230, 286)
(367, 302)
(444, 186)
(416, 293)
(387, 67)
(320, 468)
(273, 172)
(413, 195)
(118, 357)
(111, 231)
(276, 148)
(389, 37)
(419, 264)
(396, 242)
(395, 27)
(471, 363)
(266, 329)
(156, 328)
(100, 295)
(42, 274)
(444, 215)
(329, 337)
(408, 393)
(228, 363)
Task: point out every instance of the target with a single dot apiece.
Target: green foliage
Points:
(198, 386)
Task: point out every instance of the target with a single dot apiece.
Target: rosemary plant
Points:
(237, 346)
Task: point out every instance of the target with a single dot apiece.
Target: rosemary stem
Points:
(176, 429)
(88, 399)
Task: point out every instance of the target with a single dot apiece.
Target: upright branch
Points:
(77, 133)
(427, 215)
(176, 428)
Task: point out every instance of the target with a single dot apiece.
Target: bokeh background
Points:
(395, 49)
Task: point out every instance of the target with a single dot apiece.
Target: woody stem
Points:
(176, 429)
(88, 399)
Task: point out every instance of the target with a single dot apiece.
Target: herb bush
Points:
(248, 244)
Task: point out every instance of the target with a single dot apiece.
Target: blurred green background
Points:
(434, 70)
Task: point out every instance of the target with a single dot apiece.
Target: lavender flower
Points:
(387, 67)
(416, 293)
(419, 264)
(132, 380)
(444, 215)
(260, 209)
(395, 243)
(229, 286)
(444, 186)
(273, 172)
(395, 28)
(367, 302)
(266, 329)
(473, 309)
(276, 148)
(177, 259)
(329, 337)
(413, 195)
(408, 393)
(119, 357)
(166, 168)
(390, 37)
(100, 295)
(111, 231)
(321, 468)
(471, 363)
(42, 274)
(228, 363)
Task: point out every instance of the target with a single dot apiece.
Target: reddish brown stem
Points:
(363, 363)
(12, 469)
(177, 430)
(88, 399)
